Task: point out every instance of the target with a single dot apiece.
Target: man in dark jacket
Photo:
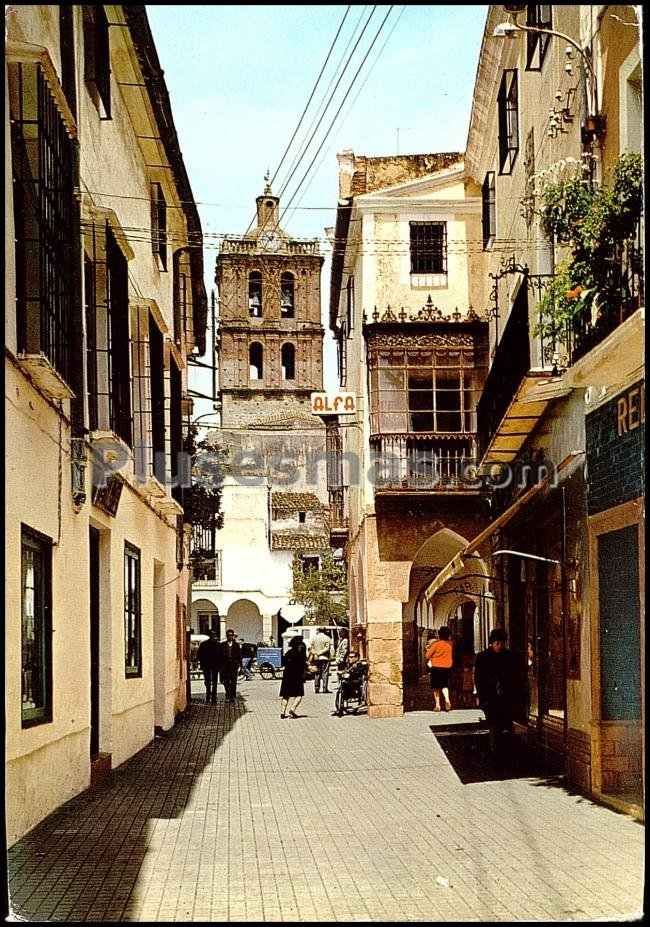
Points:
(208, 656)
(495, 677)
(229, 664)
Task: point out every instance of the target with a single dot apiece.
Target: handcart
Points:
(269, 662)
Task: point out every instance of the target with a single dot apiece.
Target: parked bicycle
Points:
(352, 692)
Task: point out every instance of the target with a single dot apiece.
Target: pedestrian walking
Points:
(229, 664)
(495, 677)
(247, 657)
(208, 657)
(293, 676)
(342, 652)
(321, 650)
(440, 657)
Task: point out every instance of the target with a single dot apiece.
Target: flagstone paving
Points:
(237, 815)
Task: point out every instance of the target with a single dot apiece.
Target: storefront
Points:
(615, 432)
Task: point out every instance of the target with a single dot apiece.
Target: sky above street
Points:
(240, 76)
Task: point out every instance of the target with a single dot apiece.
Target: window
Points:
(256, 360)
(342, 354)
(47, 220)
(302, 518)
(349, 292)
(208, 569)
(157, 387)
(255, 294)
(182, 293)
(288, 355)
(310, 565)
(489, 210)
(508, 104)
(423, 391)
(428, 247)
(539, 16)
(107, 326)
(132, 612)
(176, 430)
(287, 308)
(36, 628)
(66, 40)
(159, 225)
(97, 58)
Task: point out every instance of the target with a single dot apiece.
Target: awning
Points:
(564, 470)
(536, 390)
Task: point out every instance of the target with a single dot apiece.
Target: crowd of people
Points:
(496, 678)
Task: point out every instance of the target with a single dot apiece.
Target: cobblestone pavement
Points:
(238, 815)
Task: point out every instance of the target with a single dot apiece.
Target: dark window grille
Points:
(428, 247)
(182, 294)
(287, 301)
(36, 628)
(97, 57)
(529, 173)
(508, 103)
(288, 355)
(350, 305)
(157, 387)
(159, 224)
(68, 71)
(489, 209)
(255, 294)
(540, 16)
(342, 354)
(176, 430)
(132, 612)
(107, 323)
(47, 219)
(107, 497)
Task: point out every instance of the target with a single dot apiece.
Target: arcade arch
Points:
(245, 618)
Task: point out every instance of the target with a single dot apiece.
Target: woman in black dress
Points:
(293, 677)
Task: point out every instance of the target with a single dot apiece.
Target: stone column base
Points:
(385, 711)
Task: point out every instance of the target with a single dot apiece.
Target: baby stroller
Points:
(353, 688)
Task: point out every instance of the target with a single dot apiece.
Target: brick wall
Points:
(620, 752)
(579, 759)
(615, 435)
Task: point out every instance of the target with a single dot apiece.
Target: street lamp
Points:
(506, 30)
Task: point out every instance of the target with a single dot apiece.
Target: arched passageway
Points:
(245, 619)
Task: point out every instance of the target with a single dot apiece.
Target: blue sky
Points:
(239, 77)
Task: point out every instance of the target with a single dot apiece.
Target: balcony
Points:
(423, 464)
(339, 524)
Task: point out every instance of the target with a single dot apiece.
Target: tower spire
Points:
(267, 178)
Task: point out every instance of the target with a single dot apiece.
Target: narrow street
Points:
(238, 815)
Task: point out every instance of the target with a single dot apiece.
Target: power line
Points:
(336, 114)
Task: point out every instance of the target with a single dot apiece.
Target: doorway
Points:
(94, 641)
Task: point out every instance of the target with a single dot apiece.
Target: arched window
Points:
(287, 296)
(256, 360)
(288, 362)
(255, 294)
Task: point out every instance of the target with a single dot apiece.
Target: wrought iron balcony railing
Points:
(401, 462)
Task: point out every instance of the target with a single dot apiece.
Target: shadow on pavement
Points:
(82, 862)
(469, 754)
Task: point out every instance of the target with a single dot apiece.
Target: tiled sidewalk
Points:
(238, 815)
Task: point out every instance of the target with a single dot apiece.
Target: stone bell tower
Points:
(270, 332)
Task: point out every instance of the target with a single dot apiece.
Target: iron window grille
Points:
(97, 57)
(68, 71)
(36, 628)
(107, 332)
(208, 569)
(489, 214)
(342, 354)
(255, 294)
(182, 293)
(428, 247)
(508, 103)
(46, 214)
(159, 225)
(350, 305)
(179, 472)
(287, 297)
(157, 393)
(540, 16)
(132, 612)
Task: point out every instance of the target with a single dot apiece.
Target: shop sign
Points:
(335, 403)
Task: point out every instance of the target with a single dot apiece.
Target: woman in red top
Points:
(440, 657)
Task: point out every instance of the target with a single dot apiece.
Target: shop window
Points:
(255, 294)
(132, 612)
(256, 361)
(287, 307)
(97, 57)
(508, 105)
(489, 213)
(36, 628)
(46, 221)
(539, 16)
(428, 247)
(159, 225)
(288, 362)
